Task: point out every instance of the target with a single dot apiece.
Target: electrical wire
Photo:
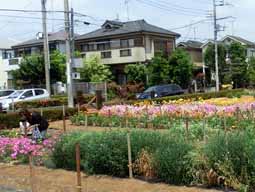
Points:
(169, 9)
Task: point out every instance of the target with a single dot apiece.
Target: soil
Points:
(16, 178)
(48, 180)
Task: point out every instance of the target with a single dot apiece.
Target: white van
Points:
(23, 95)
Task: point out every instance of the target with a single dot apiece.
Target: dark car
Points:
(161, 91)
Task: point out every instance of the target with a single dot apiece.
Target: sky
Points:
(175, 15)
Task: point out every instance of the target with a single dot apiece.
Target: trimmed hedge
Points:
(11, 120)
(52, 102)
(41, 103)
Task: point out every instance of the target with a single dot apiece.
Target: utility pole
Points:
(68, 56)
(216, 46)
(46, 46)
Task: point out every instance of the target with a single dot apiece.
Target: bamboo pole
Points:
(78, 167)
(64, 119)
(41, 110)
(129, 156)
(31, 172)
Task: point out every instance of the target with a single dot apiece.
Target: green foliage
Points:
(172, 161)
(181, 68)
(41, 103)
(232, 156)
(32, 69)
(57, 67)
(209, 58)
(11, 120)
(251, 71)
(106, 153)
(95, 71)
(158, 70)
(238, 66)
(136, 73)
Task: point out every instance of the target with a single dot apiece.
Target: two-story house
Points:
(195, 51)
(121, 43)
(227, 40)
(12, 59)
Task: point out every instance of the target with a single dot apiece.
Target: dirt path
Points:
(47, 180)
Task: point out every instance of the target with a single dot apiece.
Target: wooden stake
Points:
(41, 111)
(31, 172)
(129, 156)
(86, 120)
(187, 127)
(25, 128)
(78, 107)
(204, 124)
(64, 119)
(78, 167)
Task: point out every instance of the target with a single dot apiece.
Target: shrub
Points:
(172, 162)
(232, 157)
(41, 103)
(194, 96)
(11, 120)
(106, 153)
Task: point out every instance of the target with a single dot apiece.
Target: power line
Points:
(170, 9)
(191, 24)
(181, 7)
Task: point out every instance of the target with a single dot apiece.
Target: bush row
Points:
(225, 159)
(11, 120)
(195, 96)
(106, 153)
(54, 101)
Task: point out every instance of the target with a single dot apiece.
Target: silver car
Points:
(23, 95)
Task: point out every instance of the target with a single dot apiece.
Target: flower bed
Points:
(20, 148)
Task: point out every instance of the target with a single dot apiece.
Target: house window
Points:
(106, 54)
(125, 53)
(138, 41)
(103, 46)
(13, 61)
(124, 43)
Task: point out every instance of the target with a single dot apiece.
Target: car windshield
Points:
(15, 94)
(5, 93)
(150, 89)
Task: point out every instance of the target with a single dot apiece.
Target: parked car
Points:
(161, 91)
(6, 93)
(23, 95)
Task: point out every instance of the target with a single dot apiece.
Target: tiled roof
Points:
(58, 36)
(191, 44)
(119, 28)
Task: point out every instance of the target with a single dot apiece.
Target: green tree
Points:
(158, 70)
(94, 71)
(181, 67)
(238, 66)
(251, 71)
(32, 70)
(136, 73)
(209, 58)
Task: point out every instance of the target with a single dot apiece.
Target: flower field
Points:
(184, 108)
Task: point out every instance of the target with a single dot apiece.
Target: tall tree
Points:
(209, 58)
(158, 70)
(94, 71)
(32, 71)
(238, 65)
(251, 71)
(181, 67)
(136, 73)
